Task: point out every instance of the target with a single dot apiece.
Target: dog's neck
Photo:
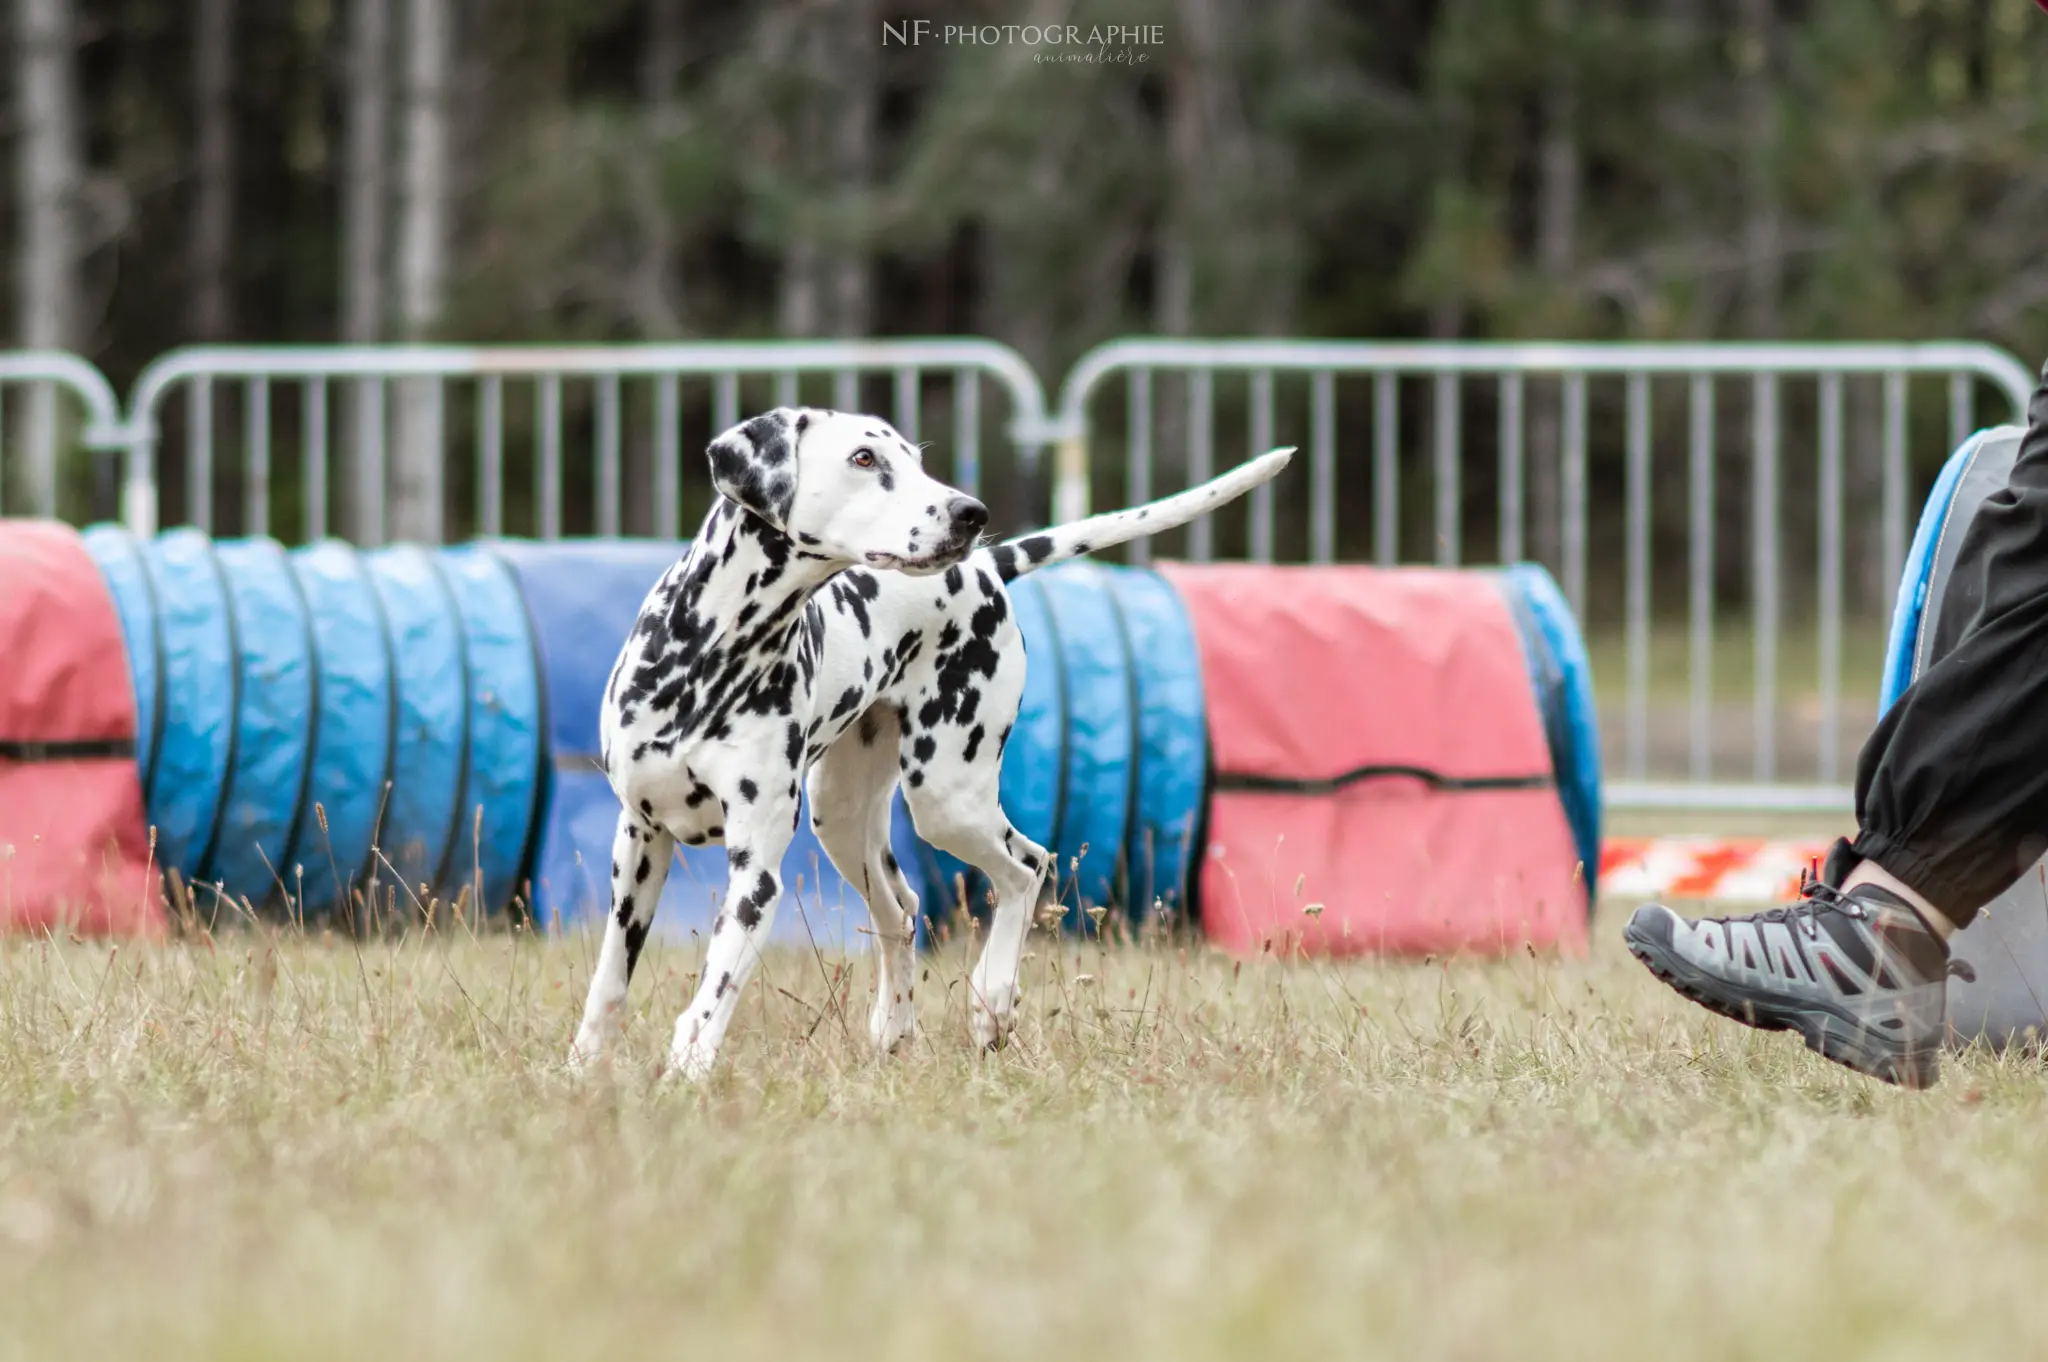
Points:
(752, 575)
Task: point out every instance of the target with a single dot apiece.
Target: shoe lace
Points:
(1816, 896)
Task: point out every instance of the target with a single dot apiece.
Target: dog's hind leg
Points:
(640, 860)
(850, 789)
(969, 823)
(756, 836)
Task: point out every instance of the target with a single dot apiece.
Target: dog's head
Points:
(848, 487)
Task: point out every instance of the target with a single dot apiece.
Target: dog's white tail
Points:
(1019, 556)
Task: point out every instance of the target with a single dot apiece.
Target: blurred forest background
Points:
(532, 170)
(311, 170)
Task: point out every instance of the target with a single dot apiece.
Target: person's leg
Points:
(1952, 788)
(1952, 807)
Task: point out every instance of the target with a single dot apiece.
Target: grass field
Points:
(281, 1147)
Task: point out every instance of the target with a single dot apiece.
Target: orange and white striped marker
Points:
(1706, 869)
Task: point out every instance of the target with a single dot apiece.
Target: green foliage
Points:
(1459, 167)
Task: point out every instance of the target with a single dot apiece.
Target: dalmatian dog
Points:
(837, 621)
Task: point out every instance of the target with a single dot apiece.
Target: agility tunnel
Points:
(1998, 971)
(324, 725)
(1405, 760)
(323, 729)
(74, 849)
(1319, 759)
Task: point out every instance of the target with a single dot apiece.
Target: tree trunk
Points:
(214, 184)
(1763, 229)
(1559, 185)
(365, 200)
(657, 293)
(50, 168)
(853, 150)
(422, 265)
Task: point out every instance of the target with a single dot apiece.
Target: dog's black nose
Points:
(969, 516)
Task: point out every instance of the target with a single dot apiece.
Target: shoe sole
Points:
(1833, 1035)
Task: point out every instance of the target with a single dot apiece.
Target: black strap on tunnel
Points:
(1240, 782)
(458, 817)
(82, 749)
(203, 873)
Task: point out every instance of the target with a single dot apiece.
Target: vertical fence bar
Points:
(1830, 549)
(908, 390)
(198, 454)
(1449, 490)
(1138, 456)
(846, 390)
(1512, 460)
(1573, 477)
(256, 457)
(1638, 568)
(1701, 568)
(1894, 492)
(42, 448)
(490, 455)
(1962, 410)
(1386, 469)
(668, 457)
(547, 435)
(725, 403)
(967, 430)
(1201, 454)
(785, 389)
(608, 509)
(1261, 535)
(369, 459)
(1322, 454)
(313, 435)
(1764, 567)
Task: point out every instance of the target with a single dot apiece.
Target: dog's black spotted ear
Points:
(754, 463)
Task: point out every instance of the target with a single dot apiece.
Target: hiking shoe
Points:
(1859, 975)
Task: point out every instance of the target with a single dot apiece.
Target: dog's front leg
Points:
(640, 859)
(753, 886)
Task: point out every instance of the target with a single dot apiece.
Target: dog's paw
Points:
(891, 1023)
(690, 1062)
(994, 1016)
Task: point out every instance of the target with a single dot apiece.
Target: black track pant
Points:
(1952, 788)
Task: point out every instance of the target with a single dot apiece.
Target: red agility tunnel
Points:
(74, 849)
(1383, 779)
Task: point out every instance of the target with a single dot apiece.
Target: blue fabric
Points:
(430, 672)
(1562, 677)
(275, 713)
(353, 742)
(1101, 735)
(582, 597)
(503, 777)
(1910, 606)
(183, 796)
(1173, 740)
(120, 561)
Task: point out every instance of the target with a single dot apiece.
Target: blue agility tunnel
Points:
(1562, 677)
(322, 724)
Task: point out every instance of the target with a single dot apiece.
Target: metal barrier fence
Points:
(64, 399)
(303, 441)
(1585, 438)
(397, 422)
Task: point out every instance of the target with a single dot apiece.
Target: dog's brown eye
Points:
(863, 458)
